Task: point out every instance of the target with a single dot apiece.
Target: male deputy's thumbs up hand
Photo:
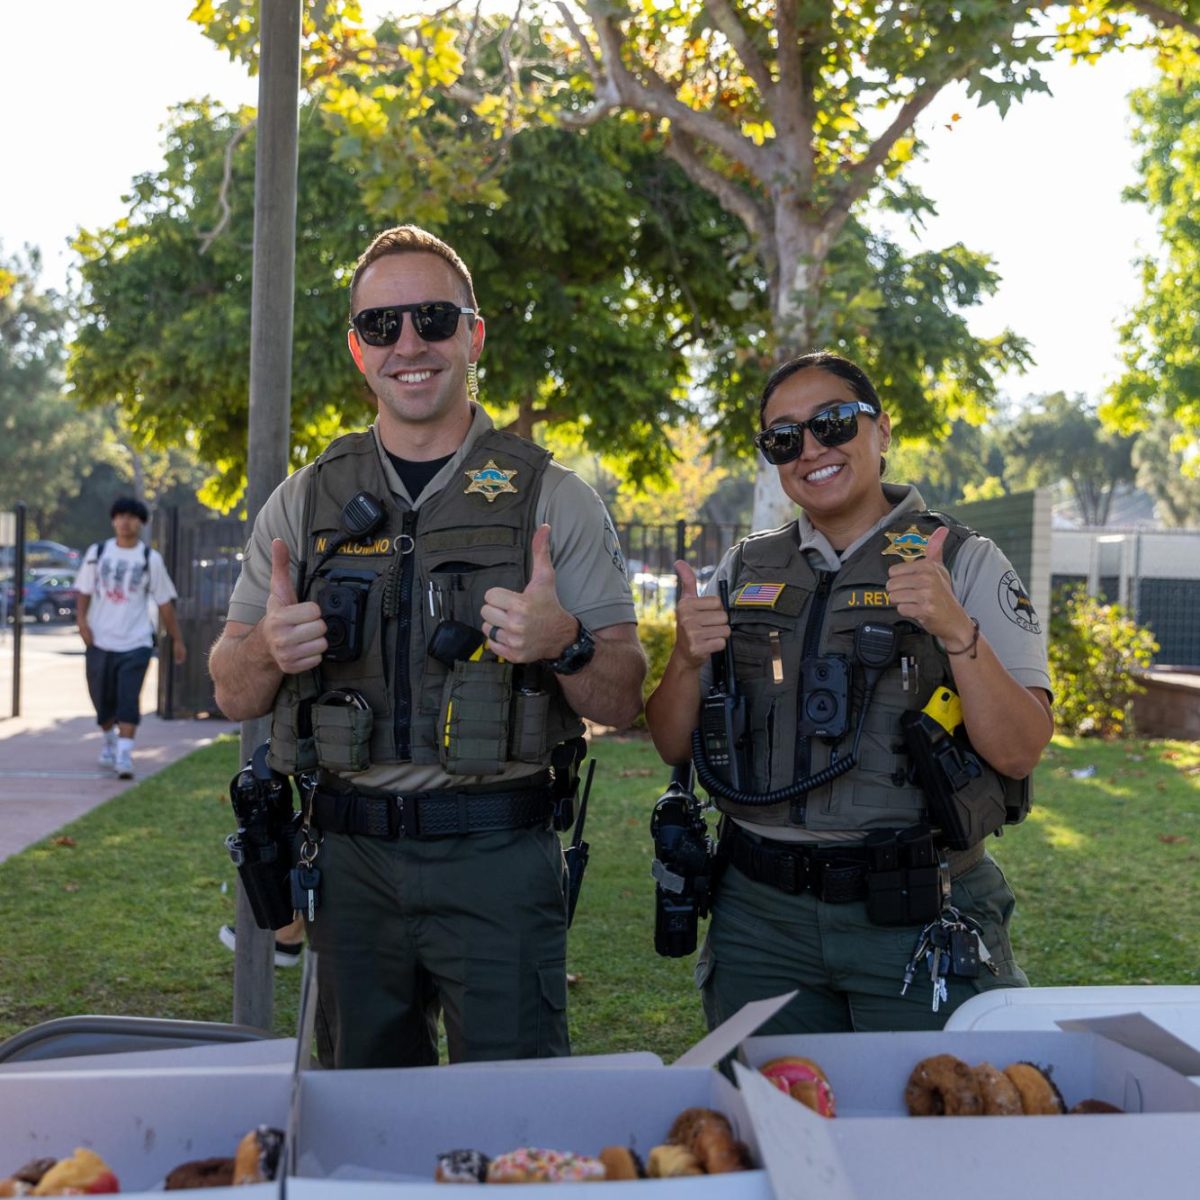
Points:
(294, 632)
(921, 590)
(701, 624)
(529, 625)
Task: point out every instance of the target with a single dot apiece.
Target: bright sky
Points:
(1039, 191)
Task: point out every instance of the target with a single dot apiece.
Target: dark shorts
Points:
(471, 927)
(114, 679)
(763, 942)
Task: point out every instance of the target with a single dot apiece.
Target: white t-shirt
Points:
(119, 612)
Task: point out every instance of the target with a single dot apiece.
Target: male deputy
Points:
(440, 877)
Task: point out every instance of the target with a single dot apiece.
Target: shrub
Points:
(1095, 648)
(657, 635)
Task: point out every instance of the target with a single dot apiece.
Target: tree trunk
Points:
(794, 303)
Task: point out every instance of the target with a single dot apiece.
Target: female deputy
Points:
(855, 635)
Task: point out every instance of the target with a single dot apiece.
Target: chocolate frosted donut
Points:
(1095, 1106)
(461, 1166)
(201, 1173)
(943, 1086)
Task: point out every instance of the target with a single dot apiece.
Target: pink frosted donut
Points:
(803, 1080)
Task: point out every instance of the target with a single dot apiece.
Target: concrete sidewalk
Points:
(48, 769)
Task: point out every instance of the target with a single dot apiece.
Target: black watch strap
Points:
(576, 656)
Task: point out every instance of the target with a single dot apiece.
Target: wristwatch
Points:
(576, 656)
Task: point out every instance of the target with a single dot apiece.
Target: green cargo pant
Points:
(763, 942)
(473, 926)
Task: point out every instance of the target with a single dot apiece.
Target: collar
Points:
(481, 423)
(904, 499)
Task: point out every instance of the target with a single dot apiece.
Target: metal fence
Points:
(204, 557)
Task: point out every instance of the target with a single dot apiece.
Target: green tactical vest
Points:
(421, 567)
(817, 613)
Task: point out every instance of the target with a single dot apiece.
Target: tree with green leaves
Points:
(46, 447)
(787, 114)
(1165, 460)
(1061, 440)
(1161, 339)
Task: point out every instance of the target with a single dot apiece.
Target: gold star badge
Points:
(909, 545)
(490, 481)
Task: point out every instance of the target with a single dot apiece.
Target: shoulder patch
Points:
(1015, 603)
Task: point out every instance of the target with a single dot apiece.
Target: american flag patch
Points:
(757, 595)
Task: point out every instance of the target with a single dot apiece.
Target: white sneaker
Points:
(125, 766)
(108, 756)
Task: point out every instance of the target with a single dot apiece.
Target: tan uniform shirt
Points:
(589, 567)
(986, 586)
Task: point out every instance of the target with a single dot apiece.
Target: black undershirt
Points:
(416, 475)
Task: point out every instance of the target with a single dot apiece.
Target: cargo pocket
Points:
(552, 1038)
(342, 724)
(291, 751)
(474, 718)
(530, 723)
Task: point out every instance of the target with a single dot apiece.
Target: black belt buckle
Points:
(791, 871)
(407, 820)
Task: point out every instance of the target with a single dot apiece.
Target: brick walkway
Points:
(48, 769)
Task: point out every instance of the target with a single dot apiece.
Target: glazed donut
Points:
(803, 1080)
(620, 1162)
(85, 1172)
(530, 1165)
(257, 1156)
(943, 1086)
(203, 1172)
(666, 1162)
(461, 1166)
(998, 1093)
(1095, 1106)
(709, 1136)
(1039, 1096)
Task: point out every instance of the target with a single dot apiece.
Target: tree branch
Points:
(734, 200)
(727, 20)
(857, 180)
(793, 112)
(1165, 16)
(207, 239)
(654, 96)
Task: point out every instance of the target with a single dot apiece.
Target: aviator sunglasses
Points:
(434, 321)
(831, 427)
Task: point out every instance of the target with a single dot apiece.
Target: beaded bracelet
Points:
(972, 646)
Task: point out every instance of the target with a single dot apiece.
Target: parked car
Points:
(49, 595)
(42, 554)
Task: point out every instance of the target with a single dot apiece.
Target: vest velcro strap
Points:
(430, 814)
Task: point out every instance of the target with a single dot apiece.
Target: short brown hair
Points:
(411, 239)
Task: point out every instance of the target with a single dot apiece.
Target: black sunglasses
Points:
(434, 321)
(831, 427)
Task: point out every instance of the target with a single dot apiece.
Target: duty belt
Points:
(833, 873)
(430, 814)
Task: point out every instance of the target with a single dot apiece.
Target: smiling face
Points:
(421, 386)
(837, 486)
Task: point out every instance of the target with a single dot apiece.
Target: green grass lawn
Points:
(119, 912)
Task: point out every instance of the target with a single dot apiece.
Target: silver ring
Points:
(494, 633)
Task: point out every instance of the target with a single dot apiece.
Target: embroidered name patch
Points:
(376, 548)
(909, 545)
(490, 481)
(757, 595)
(869, 600)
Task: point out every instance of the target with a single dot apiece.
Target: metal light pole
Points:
(271, 302)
